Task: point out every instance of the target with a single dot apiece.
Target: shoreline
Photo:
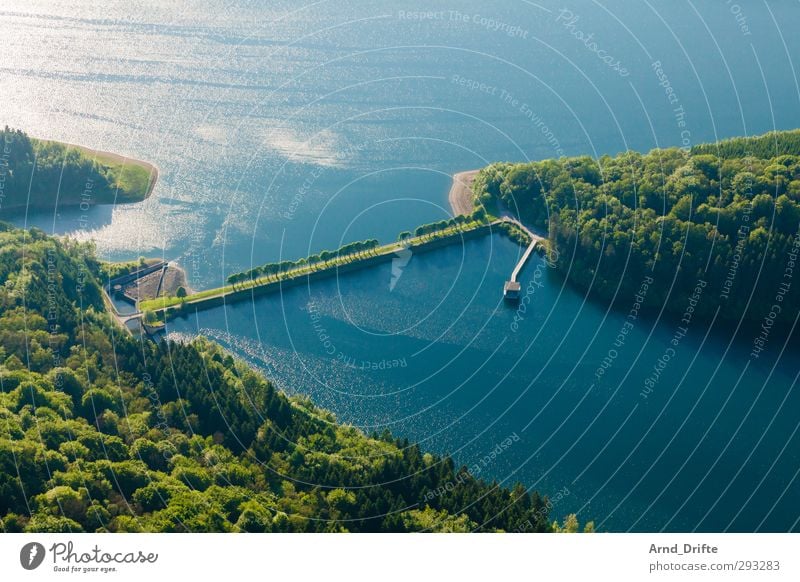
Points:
(151, 168)
(181, 280)
(460, 196)
(113, 157)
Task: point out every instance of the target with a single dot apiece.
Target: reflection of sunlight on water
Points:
(323, 148)
(213, 133)
(147, 227)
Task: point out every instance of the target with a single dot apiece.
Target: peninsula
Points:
(722, 217)
(47, 175)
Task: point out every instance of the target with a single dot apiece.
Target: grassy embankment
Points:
(454, 228)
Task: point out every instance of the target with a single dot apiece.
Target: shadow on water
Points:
(64, 220)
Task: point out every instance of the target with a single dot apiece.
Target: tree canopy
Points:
(727, 214)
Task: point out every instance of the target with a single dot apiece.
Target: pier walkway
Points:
(512, 287)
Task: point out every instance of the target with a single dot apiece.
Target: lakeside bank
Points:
(460, 196)
(112, 159)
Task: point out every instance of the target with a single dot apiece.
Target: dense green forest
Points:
(726, 215)
(102, 431)
(37, 173)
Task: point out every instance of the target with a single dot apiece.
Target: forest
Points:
(726, 215)
(45, 174)
(106, 432)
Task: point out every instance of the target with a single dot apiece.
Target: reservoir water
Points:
(281, 129)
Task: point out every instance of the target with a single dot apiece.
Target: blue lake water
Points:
(282, 129)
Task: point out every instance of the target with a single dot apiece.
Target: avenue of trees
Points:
(352, 250)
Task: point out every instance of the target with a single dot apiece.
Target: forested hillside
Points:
(100, 431)
(727, 215)
(36, 173)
